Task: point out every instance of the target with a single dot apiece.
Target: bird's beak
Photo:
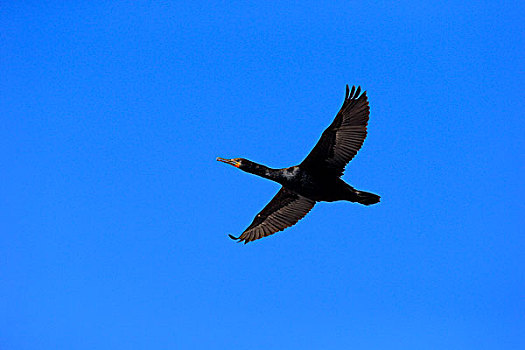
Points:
(229, 161)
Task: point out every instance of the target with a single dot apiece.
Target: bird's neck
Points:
(266, 172)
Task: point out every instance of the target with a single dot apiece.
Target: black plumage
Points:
(317, 178)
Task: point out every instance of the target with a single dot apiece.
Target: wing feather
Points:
(284, 210)
(341, 141)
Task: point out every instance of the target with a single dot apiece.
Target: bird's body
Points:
(317, 178)
(310, 184)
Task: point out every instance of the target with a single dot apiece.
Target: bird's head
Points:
(241, 163)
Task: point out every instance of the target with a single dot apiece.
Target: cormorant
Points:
(317, 178)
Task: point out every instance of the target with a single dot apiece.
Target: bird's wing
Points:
(340, 142)
(284, 210)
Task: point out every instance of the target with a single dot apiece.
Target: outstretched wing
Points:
(340, 142)
(284, 210)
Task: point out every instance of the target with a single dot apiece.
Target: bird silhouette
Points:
(318, 177)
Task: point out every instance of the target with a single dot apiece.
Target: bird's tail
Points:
(363, 197)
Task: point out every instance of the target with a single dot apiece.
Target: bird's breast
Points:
(318, 188)
(299, 181)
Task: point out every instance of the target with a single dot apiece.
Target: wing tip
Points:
(239, 239)
(355, 93)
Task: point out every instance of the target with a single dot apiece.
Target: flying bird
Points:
(318, 177)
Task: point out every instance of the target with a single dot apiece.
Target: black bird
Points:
(317, 178)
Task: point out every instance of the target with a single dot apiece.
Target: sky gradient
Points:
(114, 214)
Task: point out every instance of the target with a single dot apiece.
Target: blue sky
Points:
(114, 213)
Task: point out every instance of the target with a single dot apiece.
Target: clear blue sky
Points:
(114, 214)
